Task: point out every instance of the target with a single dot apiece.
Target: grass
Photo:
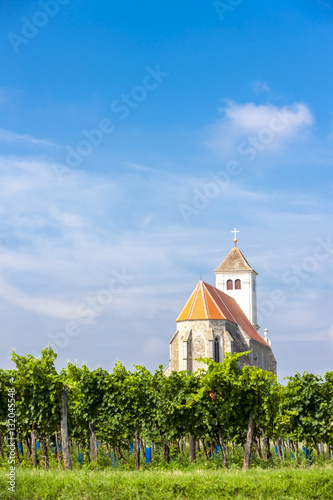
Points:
(278, 484)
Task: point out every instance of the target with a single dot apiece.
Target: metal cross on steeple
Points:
(235, 235)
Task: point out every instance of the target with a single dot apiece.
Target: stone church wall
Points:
(195, 339)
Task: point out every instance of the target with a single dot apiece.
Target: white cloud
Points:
(251, 117)
(264, 127)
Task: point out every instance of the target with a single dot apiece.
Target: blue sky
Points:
(133, 138)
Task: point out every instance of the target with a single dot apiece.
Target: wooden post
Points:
(278, 445)
(166, 451)
(143, 448)
(108, 451)
(137, 450)
(93, 442)
(257, 445)
(33, 447)
(64, 429)
(1, 448)
(57, 447)
(316, 447)
(248, 445)
(27, 445)
(223, 450)
(269, 454)
(120, 455)
(192, 448)
(45, 460)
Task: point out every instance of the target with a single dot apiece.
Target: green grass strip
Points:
(280, 484)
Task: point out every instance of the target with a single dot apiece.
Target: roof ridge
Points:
(194, 300)
(211, 296)
(240, 251)
(204, 299)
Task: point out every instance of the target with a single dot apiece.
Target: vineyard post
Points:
(64, 429)
(33, 447)
(57, 447)
(249, 441)
(43, 444)
(222, 446)
(192, 448)
(27, 445)
(166, 450)
(137, 450)
(93, 442)
(1, 448)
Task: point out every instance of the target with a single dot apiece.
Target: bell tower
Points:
(236, 278)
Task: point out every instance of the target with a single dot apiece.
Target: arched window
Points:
(217, 349)
(238, 285)
(230, 285)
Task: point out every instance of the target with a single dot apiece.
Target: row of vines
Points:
(223, 405)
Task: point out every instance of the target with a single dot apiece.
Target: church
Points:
(222, 318)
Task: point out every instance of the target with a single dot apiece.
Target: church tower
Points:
(222, 319)
(236, 278)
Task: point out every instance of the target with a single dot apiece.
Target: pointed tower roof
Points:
(234, 261)
(207, 302)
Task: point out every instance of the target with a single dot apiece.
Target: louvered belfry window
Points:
(230, 285)
(238, 285)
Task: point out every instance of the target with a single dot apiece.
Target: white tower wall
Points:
(246, 297)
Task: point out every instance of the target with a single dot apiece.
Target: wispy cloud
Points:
(13, 137)
(259, 86)
(41, 305)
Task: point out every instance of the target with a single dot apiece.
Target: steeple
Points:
(235, 261)
(237, 278)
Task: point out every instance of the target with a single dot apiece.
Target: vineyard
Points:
(135, 419)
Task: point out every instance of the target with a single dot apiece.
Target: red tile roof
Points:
(234, 261)
(207, 302)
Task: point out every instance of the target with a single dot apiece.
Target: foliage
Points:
(307, 409)
(123, 407)
(38, 387)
